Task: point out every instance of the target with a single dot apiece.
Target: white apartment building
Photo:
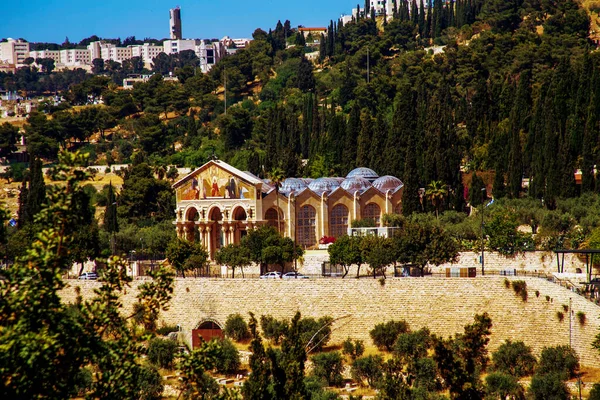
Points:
(209, 54)
(73, 57)
(14, 51)
(239, 43)
(380, 6)
(146, 51)
(177, 45)
(111, 52)
(53, 54)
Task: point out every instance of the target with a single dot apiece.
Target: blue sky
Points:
(53, 20)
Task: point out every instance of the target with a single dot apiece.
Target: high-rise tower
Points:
(175, 23)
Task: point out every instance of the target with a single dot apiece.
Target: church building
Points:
(218, 204)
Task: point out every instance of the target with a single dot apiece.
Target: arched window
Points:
(371, 211)
(240, 214)
(271, 217)
(338, 221)
(307, 222)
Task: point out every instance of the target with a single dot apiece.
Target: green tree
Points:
(346, 251)
(74, 336)
(503, 386)
(257, 385)
(514, 358)
(328, 366)
(277, 176)
(561, 360)
(186, 256)
(369, 368)
(8, 139)
(436, 193)
(384, 335)
(161, 352)
(234, 256)
(549, 386)
(236, 328)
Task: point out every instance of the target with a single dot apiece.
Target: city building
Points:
(110, 51)
(217, 204)
(73, 57)
(314, 32)
(14, 51)
(175, 23)
(53, 54)
(146, 51)
(176, 45)
(209, 53)
(136, 78)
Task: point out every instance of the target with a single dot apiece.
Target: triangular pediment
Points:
(217, 179)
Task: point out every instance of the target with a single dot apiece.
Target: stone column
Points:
(209, 242)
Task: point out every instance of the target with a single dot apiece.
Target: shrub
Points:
(548, 298)
(411, 346)
(595, 392)
(581, 317)
(520, 288)
(369, 368)
(560, 316)
(548, 386)
(560, 360)
(353, 349)
(537, 293)
(514, 358)
(161, 352)
(315, 387)
(83, 382)
(507, 283)
(565, 307)
(384, 335)
(328, 366)
(150, 383)
(272, 328)
(236, 328)
(229, 357)
(501, 385)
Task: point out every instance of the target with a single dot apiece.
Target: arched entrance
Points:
(271, 218)
(216, 233)
(240, 216)
(192, 233)
(206, 331)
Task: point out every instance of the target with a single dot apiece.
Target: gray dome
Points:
(363, 172)
(292, 185)
(387, 182)
(323, 185)
(356, 184)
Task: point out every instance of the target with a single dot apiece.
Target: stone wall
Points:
(534, 261)
(444, 305)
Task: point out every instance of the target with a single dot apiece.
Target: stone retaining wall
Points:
(444, 305)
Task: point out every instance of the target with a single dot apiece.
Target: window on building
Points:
(307, 222)
(338, 221)
(271, 217)
(371, 211)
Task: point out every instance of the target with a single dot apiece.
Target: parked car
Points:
(271, 275)
(294, 275)
(88, 276)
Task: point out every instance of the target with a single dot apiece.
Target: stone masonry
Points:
(444, 305)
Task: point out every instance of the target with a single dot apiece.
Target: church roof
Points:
(221, 164)
(363, 172)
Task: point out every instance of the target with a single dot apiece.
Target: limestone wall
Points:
(444, 305)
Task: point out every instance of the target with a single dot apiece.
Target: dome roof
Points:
(323, 185)
(363, 172)
(292, 185)
(387, 182)
(356, 184)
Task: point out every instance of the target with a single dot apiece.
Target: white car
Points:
(294, 275)
(271, 275)
(88, 276)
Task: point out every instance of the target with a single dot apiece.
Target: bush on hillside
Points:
(514, 358)
(369, 368)
(353, 349)
(548, 386)
(229, 357)
(562, 360)
(161, 352)
(273, 329)
(236, 328)
(520, 288)
(329, 366)
(384, 335)
(150, 382)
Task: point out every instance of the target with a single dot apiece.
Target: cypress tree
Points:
(378, 140)
(410, 194)
(414, 12)
(367, 8)
(352, 134)
(363, 153)
(518, 120)
(111, 223)
(36, 194)
(422, 19)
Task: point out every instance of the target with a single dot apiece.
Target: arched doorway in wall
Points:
(216, 239)
(306, 227)
(239, 215)
(372, 211)
(338, 221)
(206, 330)
(271, 218)
(191, 216)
